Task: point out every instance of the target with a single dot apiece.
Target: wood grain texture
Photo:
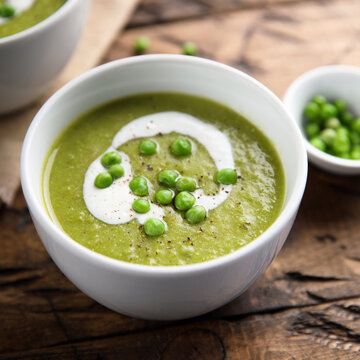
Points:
(274, 44)
(152, 12)
(305, 306)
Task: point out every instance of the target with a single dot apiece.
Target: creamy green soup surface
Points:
(27, 14)
(236, 215)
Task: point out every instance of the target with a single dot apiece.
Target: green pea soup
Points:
(39, 11)
(254, 203)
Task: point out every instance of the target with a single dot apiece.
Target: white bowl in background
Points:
(334, 82)
(32, 59)
(164, 292)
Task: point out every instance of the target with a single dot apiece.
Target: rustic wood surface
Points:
(305, 306)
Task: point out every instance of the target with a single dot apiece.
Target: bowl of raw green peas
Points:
(325, 103)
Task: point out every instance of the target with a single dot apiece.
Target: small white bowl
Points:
(334, 82)
(31, 60)
(164, 292)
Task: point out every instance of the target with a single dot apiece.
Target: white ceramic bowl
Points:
(173, 292)
(31, 60)
(334, 82)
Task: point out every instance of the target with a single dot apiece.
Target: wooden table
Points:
(305, 306)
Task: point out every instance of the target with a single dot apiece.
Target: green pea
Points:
(189, 48)
(328, 111)
(116, 171)
(141, 206)
(341, 144)
(355, 125)
(147, 147)
(103, 180)
(186, 184)
(340, 105)
(312, 111)
(226, 176)
(347, 118)
(345, 155)
(333, 123)
(355, 153)
(318, 143)
(319, 99)
(184, 200)
(139, 186)
(354, 137)
(328, 136)
(7, 11)
(343, 131)
(141, 45)
(154, 227)
(312, 129)
(195, 215)
(181, 147)
(164, 197)
(111, 158)
(168, 178)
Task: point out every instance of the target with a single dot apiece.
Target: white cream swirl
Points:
(113, 205)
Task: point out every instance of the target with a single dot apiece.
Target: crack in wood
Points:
(281, 35)
(63, 328)
(354, 258)
(113, 335)
(243, 61)
(18, 282)
(351, 308)
(47, 291)
(277, 17)
(324, 300)
(171, 39)
(14, 270)
(318, 327)
(298, 276)
(316, 297)
(278, 310)
(333, 325)
(326, 237)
